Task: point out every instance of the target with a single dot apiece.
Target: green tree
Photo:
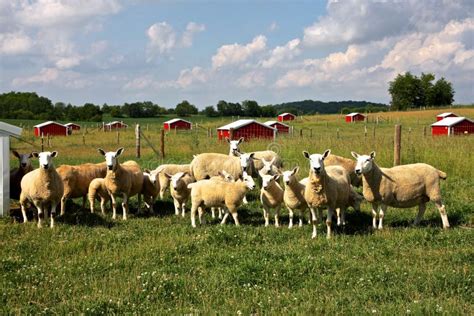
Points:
(405, 91)
(185, 108)
(443, 93)
(210, 111)
(251, 108)
(268, 111)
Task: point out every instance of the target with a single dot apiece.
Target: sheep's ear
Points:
(169, 176)
(227, 139)
(30, 155)
(241, 139)
(276, 177)
(251, 155)
(35, 154)
(306, 154)
(119, 151)
(101, 151)
(54, 154)
(354, 154)
(273, 160)
(372, 155)
(326, 153)
(295, 170)
(16, 154)
(237, 154)
(147, 170)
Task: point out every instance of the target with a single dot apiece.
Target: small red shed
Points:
(442, 116)
(177, 123)
(246, 129)
(286, 117)
(355, 117)
(282, 128)
(115, 125)
(73, 126)
(453, 126)
(50, 128)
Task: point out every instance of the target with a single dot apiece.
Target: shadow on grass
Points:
(75, 215)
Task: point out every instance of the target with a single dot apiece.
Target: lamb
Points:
(219, 193)
(327, 187)
(150, 189)
(42, 187)
(164, 181)
(97, 187)
(293, 195)
(179, 190)
(347, 164)
(271, 196)
(400, 187)
(122, 179)
(17, 174)
(207, 165)
(76, 180)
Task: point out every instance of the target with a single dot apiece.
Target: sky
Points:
(116, 51)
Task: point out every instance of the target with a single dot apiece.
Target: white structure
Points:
(6, 130)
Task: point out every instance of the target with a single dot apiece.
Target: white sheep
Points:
(97, 188)
(347, 164)
(400, 187)
(16, 174)
(164, 181)
(42, 187)
(271, 197)
(150, 189)
(124, 179)
(327, 187)
(293, 195)
(179, 190)
(209, 193)
(269, 167)
(207, 165)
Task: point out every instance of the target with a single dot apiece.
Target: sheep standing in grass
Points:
(97, 188)
(401, 187)
(293, 195)
(150, 189)
(17, 174)
(124, 180)
(42, 187)
(164, 181)
(269, 167)
(208, 193)
(209, 165)
(179, 190)
(348, 165)
(327, 187)
(271, 196)
(224, 176)
(76, 180)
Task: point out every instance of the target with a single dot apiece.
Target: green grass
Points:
(158, 264)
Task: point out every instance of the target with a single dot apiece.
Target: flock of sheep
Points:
(221, 182)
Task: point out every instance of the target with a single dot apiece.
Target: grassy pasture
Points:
(159, 264)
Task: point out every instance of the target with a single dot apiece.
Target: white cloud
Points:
(235, 53)
(191, 29)
(161, 37)
(139, 83)
(273, 27)
(14, 43)
(68, 62)
(46, 75)
(190, 76)
(251, 80)
(280, 53)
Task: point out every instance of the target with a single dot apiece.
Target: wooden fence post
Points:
(337, 133)
(49, 141)
(162, 143)
(231, 133)
(83, 138)
(301, 132)
(373, 135)
(424, 131)
(365, 131)
(137, 139)
(118, 137)
(397, 145)
(42, 142)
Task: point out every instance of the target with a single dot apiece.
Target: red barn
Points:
(442, 116)
(282, 128)
(286, 117)
(246, 129)
(115, 125)
(453, 126)
(73, 126)
(177, 123)
(355, 117)
(50, 128)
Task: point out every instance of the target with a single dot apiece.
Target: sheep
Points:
(150, 189)
(42, 187)
(122, 179)
(293, 195)
(271, 197)
(207, 165)
(219, 193)
(327, 187)
(17, 174)
(164, 182)
(76, 180)
(400, 187)
(179, 190)
(97, 187)
(347, 164)
(269, 167)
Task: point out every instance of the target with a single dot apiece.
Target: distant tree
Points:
(268, 111)
(443, 93)
(210, 111)
(251, 108)
(185, 108)
(105, 108)
(115, 111)
(405, 91)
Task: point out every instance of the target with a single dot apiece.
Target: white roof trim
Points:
(241, 123)
(450, 121)
(269, 123)
(176, 120)
(354, 114)
(49, 122)
(9, 129)
(67, 124)
(286, 113)
(445, 114)
(111, 123)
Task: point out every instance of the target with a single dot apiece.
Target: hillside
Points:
(313, 107)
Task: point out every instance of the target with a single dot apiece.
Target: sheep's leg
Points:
(114, 206)
(277, 216)
(442, 211)
(139, 203)
(202, 220)
(91, 203)
(63, 205)
(374, 215)
(162, 192)
(102, 205)
(245, 200)
(183, 209)
(213, 212)
(23, 208)
(343, 216)
(193, 214)
(290, 215)
(221, 212)
(224, 218)
(266, 216)
(314, 220)
(40, 213)
(233, 211)
(176, 207)
(329, 221)
(383, 209)
(421, 211)
(338, 215)
(125, 205)
(53, 212)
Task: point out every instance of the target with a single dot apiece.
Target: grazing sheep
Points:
(97, 187)
(42, 187)
(124, 179)
(271, 196)
(164, 182)
(347, 164)
(179, 190)
(150, 189)
(293, 196)
(209, 165)
(400, 187)
(76, 180)
(208, 193)
(17, 174)
(327, 187)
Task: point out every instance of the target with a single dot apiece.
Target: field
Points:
(158, 264)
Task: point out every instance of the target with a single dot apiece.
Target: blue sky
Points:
(112, 51)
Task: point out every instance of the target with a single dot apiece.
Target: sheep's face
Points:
(24, 159)
(316, 161)
(227, 177)
(288, 176)
(234, 146)
(46, 159)
(364, 162)
(111, 158)
(175, 179)
(246, 161)
(248, 181)
(268, 167)
(268, 180)
(151, 177)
